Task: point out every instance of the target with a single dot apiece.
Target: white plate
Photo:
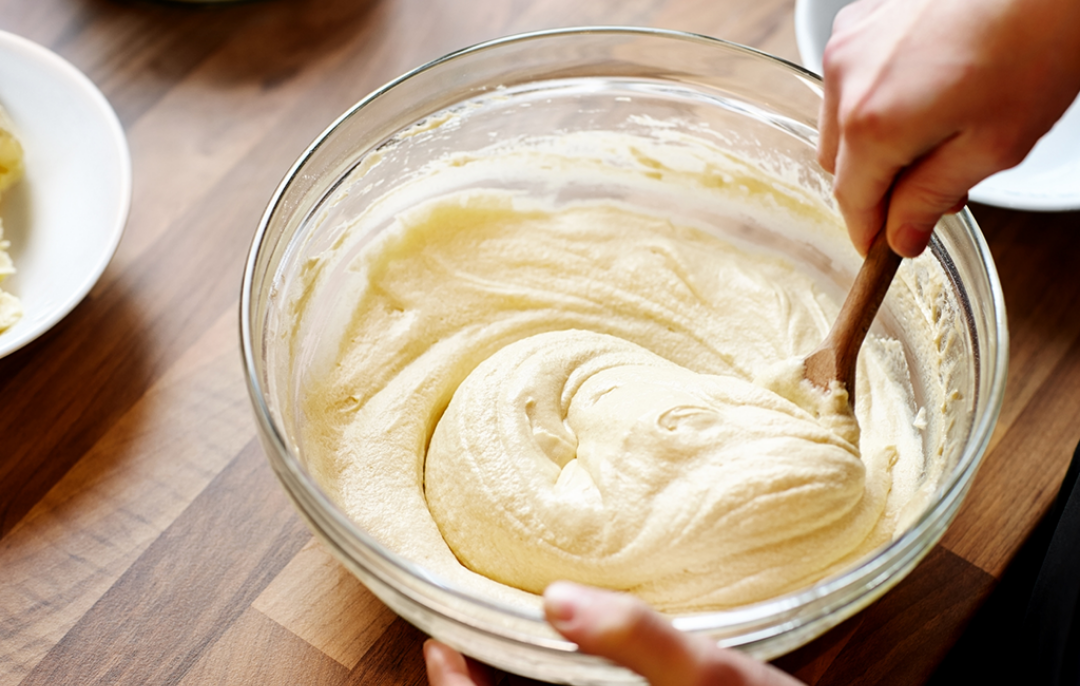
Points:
(65, 218)
(1047, 180)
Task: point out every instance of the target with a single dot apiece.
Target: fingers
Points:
(616, 627)
(863, 137)
(848, 17)
(886, 167)
(933, 186)
(861, 186)
(621, 628)
(448, 667)
(854, 13)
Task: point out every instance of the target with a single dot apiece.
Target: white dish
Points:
(65, 218)
(1047, 180)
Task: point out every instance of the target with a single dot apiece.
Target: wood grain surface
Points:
(143, 536)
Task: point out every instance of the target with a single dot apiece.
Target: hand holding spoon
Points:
(836, 356)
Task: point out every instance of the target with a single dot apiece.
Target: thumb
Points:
(620, 628)
(931, 187)
(625, 630)
(448, 667)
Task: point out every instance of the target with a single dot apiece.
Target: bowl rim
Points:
(292, 473)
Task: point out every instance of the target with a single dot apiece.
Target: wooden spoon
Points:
(835, 357)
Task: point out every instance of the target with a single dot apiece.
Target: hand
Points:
(623, 629)
(448, 667)
(928, 97)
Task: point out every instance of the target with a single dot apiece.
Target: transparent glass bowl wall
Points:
(574, 80)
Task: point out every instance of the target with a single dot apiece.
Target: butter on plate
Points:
(11, 170)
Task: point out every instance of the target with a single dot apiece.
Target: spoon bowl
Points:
(835, 358)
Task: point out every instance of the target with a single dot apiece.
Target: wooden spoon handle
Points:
(836, 357)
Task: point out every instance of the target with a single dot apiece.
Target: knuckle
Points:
(717, 672)
(1007, 150)
(845, 17)
(826, 160)
(997, 145)
(929, 198)
(835, 61)
(627, 624)
(863, 120)
(720, 666)
(853, 202)
(830, 58)
(638, 624)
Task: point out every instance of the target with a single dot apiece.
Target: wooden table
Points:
(144, 538)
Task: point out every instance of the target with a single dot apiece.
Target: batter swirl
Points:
(586, 391)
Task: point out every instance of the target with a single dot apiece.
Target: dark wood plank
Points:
(904, 634)
(188, 588)
(150, 47)
(396, 659)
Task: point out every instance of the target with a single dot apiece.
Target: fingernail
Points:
(911, 239)
(433, 653)
(562, 601)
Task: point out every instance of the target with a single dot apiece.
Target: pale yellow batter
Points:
(11, 170)
(534, 390)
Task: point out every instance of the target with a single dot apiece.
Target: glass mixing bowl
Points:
(595, 79)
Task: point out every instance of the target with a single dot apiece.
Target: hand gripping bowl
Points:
(639, 81)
